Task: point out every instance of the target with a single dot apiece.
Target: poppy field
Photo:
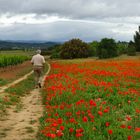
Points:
(92, 100)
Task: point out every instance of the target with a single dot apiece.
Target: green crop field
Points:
(9, 60)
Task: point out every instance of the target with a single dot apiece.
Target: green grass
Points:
(3, 82)
(23, 87)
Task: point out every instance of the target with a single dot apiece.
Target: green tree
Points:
(55, 52)
(122, 47)
(137, 40)
(93, 48)
(107, 48)
(131, 50)
(74, 48)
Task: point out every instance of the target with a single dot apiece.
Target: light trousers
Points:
(38, 71)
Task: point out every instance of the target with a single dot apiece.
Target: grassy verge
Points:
(3, 82)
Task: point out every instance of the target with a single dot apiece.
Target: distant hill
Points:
(4, 45)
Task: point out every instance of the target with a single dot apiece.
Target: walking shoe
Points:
(39, 84)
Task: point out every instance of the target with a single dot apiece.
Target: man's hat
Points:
(38, 51)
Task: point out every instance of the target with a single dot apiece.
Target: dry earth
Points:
(12, 71)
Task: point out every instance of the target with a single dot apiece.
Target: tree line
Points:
(106, 48)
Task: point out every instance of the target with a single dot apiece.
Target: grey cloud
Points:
(73, 8)
(62, 31)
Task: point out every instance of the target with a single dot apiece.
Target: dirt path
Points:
(15, 82)
(23, 125)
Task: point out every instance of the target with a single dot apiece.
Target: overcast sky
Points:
(61, 20)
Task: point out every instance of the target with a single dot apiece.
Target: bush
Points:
(122, 47)
(93, 48)
(74, 48)
(56, 52)
(131, 50)
(107, 48)
(55, 55)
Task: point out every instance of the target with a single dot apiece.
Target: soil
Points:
(23, 125)
(12, 71)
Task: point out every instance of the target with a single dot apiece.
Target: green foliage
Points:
(55, 52)
(93, 48)
(74, 48)
(122, 47)
(137, 40)
(55, 55)
(107, 48)
(131, 49)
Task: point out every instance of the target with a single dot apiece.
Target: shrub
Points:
(122, 47)
(55, 55)
(107, 48)
(74, 48)
(93, 48)
(56, 52)
(131, 50)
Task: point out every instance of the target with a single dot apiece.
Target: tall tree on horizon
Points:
(137, 40)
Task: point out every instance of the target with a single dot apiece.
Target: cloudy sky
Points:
(61, 20)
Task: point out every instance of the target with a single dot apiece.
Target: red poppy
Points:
(52, 136)
(100, 113)
(71, 130)
(59, 120)
(107, 124)
(59, 133)
(62, 128)
(128, 118)
(129, 127)
(79, 134)
(72, 120)
(110, 131)
(85, 119)
(129, 138)
(106, 110)
(80, 130)
(123, 126)
(137, 129)
(92, 102)
(54, 124)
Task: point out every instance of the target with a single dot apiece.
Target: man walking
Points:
(38, 62)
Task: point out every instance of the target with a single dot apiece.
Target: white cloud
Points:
(65, 30)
